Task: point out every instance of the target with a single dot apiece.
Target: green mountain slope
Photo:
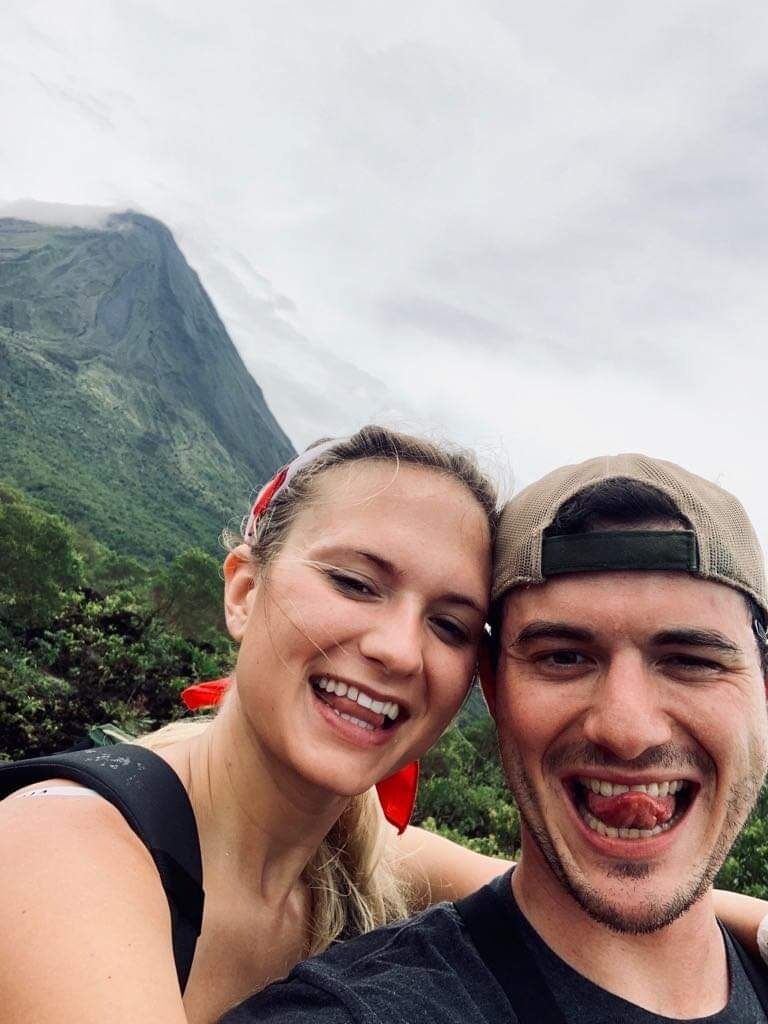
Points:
(123, 402)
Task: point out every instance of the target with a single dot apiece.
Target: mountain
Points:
(123, 402)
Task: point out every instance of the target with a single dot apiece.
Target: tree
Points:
(463, 794)
(39, 563)
(188, 595)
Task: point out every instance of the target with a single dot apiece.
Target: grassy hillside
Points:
(123, 402)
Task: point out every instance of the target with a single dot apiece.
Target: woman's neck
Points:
(259, 822)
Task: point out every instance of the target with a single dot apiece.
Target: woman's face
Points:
(360, 639)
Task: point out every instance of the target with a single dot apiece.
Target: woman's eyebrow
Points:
(465, 599)
(382, 563)
(452, 597)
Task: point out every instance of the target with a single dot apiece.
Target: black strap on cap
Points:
(500, 942)
(151, 798)
(618, 550)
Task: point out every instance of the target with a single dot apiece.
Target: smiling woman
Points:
(358, 594)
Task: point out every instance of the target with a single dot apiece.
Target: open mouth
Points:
(358, 706)
(641, 810)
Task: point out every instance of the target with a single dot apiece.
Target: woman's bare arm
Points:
(437, 869)
(742, 914)
(84, 923)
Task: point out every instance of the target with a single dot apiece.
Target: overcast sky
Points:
(538, 229)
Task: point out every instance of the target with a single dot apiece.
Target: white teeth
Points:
(355, 721)
(622, 833)
(390, 709)
(653, 789)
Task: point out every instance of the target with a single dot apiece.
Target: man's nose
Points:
(395, 640)
(625, 714)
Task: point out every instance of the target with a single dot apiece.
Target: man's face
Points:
(612, 681)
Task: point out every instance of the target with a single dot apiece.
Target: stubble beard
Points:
(655, 914)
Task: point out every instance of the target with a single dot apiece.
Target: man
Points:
(629, 692)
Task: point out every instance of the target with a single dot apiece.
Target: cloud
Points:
(60, 214)
(540, 225)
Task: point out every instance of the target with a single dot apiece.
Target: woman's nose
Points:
(395, 640)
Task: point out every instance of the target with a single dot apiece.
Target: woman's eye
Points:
(351, 585)
(451, 631)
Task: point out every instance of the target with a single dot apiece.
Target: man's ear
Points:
(238, 589)
(486, 669)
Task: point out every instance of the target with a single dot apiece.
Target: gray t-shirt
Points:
(428, 969)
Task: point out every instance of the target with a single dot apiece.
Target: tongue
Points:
(350, 707)
(631, 810)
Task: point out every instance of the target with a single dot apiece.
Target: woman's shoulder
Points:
(81, 899)
(60, 816)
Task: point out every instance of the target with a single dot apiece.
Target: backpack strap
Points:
(754, 968)
(501, 944)
(151, 798)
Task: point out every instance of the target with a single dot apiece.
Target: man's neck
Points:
(654, 971)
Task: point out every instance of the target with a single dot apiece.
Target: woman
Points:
(359, 602)
(367, 567)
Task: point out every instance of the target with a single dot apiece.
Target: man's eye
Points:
(351, 584)
(562, 659)
(691, 664)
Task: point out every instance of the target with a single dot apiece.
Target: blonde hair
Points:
(353, 885)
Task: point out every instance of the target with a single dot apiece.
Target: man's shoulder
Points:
(420, 969)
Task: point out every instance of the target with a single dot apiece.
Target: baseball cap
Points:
(720, 544)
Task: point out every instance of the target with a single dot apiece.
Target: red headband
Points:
(397, 793)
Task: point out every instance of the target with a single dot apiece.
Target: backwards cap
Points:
(721, 544)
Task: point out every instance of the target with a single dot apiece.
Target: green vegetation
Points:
(87, 637)
(463, 795)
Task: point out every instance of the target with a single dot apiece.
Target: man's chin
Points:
(647, 912)
(627, 896)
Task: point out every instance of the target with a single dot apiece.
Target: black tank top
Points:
(151, 798)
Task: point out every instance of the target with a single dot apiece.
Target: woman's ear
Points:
(486, 669)
(239, 570)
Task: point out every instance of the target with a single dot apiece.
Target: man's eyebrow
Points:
(695, 638)
(544, 630)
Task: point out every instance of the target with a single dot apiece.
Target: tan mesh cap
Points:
(727, 548)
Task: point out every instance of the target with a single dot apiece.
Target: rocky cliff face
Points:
(123, 401)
